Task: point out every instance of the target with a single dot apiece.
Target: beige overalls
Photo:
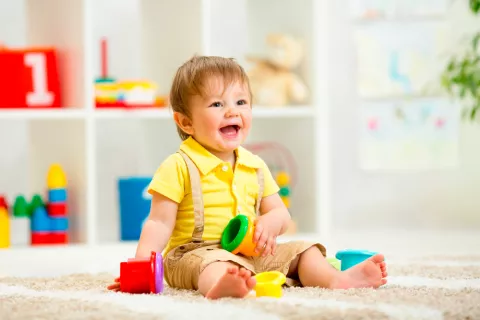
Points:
(183, 264)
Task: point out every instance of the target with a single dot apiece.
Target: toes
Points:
(378, 258)
(244, 273)
(383, 264)
(384, 274)
(384, 281)
(251, 282)
(232, 270)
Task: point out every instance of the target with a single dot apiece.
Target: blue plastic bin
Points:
(134, 205)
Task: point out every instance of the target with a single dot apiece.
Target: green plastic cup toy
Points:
(238, 236)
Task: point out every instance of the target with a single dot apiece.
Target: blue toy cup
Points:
(134, 205)
(350, 257)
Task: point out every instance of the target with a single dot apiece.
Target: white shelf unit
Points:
(150, 39)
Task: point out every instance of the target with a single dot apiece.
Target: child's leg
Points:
(315, 271)
(225, 279)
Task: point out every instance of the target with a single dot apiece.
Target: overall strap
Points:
(197, 197)
(261, 183)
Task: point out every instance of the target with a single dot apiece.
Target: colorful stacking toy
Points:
(351, 257)
(238, 236)
(269, 284)
(283, 181)
(142, 275)
(49, 222)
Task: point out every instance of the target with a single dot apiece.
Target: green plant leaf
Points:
(475, 41)
(445, 82)
(475, 6)
(461, 76)
(451, 65)
(473, 113)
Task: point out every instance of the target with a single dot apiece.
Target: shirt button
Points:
(225, 168)
(234, 187)
(239, 209)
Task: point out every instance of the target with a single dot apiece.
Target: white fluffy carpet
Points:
(431, 287)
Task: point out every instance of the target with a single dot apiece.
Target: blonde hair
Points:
(191, 78)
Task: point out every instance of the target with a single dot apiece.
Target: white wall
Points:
(119, 22)
(13, 28)
(13, 135)
(442, 198)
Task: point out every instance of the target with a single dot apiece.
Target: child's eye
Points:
(241, 102)
(216, 104)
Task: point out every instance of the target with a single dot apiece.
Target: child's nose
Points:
(232, 112)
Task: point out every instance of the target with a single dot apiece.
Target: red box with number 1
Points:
(29, 78)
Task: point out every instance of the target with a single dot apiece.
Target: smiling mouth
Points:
(230, 131)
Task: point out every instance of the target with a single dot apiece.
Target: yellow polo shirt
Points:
(226, 191)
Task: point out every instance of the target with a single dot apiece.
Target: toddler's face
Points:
(222, 119)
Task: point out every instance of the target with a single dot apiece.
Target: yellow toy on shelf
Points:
(110, 93)
(4, 224)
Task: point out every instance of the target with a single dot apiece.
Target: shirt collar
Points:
(206, 161)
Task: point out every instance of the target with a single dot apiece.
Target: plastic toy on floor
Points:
(238, 236)
(269, 284)
(142, 275)
(351, 257)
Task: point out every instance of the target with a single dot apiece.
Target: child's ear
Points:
(184, 122)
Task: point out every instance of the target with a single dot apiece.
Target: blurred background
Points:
(352, 110)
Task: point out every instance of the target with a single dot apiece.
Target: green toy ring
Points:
(234, 232)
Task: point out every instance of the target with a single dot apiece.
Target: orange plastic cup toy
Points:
(142, 275)
(238, 236)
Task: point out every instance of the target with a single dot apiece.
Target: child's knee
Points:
(312, 253)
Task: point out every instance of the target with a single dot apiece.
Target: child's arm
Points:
(158, 227)
(274, 216)
(277, 211)
(273, 222)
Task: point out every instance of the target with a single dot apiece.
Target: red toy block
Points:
(29, 78)
(43, 238)
(39, 238)
(142, 275)
(59, 237)
(58, 209)
(3, 202)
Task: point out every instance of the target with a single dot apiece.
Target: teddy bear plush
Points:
(273, 79)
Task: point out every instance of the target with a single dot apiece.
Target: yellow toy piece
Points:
(286, 201)
(56, 178)
(334, 262)
(4, 228)
(283, 178)
(269, 284)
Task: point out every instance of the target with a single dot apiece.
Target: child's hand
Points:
(115, 286)
(267, 228)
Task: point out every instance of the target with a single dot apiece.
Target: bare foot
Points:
(371, 273)
(236, 283)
